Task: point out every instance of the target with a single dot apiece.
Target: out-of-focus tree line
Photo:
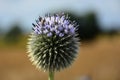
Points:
(13, 35)
(88, 29)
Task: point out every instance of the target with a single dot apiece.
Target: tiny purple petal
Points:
(66, 31)
(66, 22)
(52, 29)
(52, 18)
(66, 26)
(57, 32)
(45, 31)
(48, 26)
(61, 34)
(49, 34)
(57, 19)
(72, 30)
(70, 26)
(51, 22)
(62, 18)
(60, 28)
(56, 27)
(47, 19)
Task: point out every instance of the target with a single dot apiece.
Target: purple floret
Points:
(72, 30)
(52, 29)
(45, 31)
(57, 32)
(60, 28)
(56, 24)
(66, 22)
(66, 31)
(49, 34)
(61, 34)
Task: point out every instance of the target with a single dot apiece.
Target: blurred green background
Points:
(99, 33)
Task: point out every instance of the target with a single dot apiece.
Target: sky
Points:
(26, 11)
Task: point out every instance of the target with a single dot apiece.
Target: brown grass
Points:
(100, 60)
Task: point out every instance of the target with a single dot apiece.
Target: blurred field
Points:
(99, 59)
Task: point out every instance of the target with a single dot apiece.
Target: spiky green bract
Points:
(53, 52)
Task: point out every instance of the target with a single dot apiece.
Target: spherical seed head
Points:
(53, 44)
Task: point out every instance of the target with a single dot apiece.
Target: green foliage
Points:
(13, 35)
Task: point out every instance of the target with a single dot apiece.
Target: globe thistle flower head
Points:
(53, 44)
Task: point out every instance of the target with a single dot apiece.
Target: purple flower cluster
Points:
(54, 25)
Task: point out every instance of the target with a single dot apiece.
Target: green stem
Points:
(51, 75)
